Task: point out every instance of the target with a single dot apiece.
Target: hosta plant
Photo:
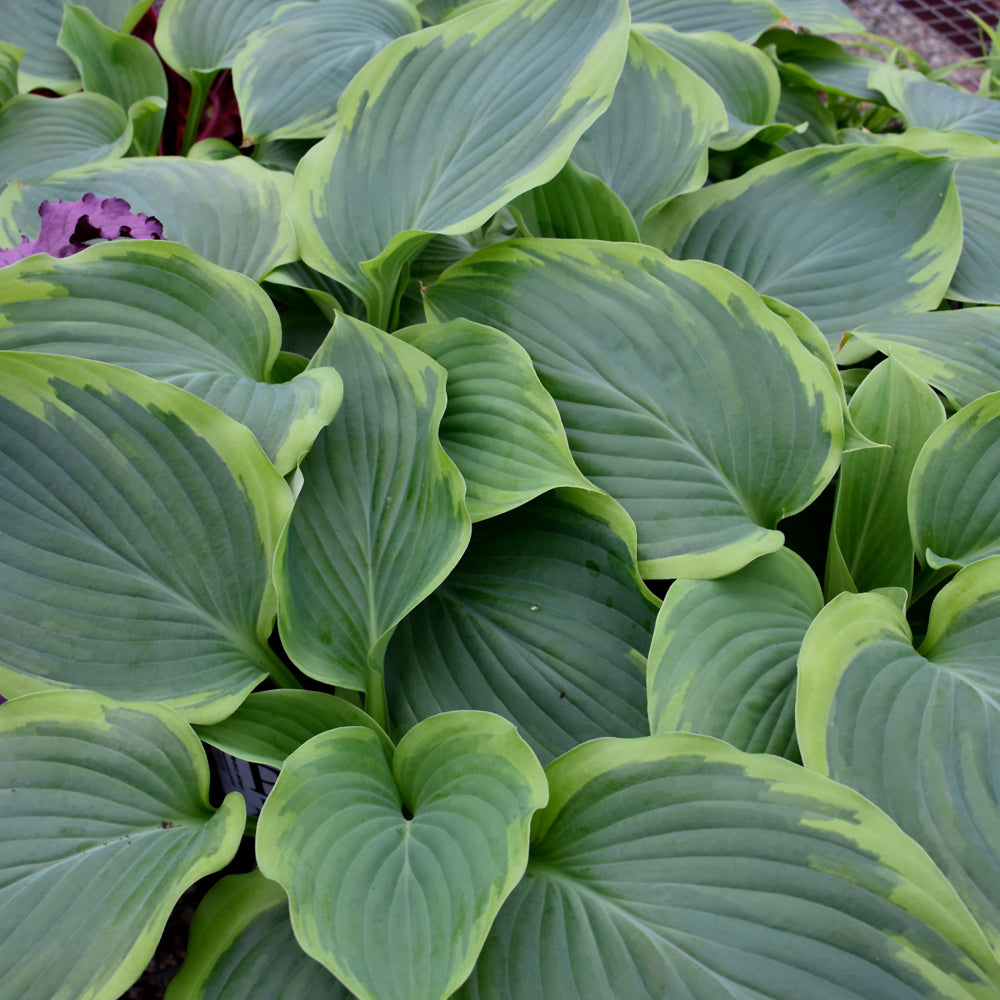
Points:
(560, 439)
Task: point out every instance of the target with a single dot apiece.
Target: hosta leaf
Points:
(802, 106)
(160, 309)
(870, 535)
(139, 525)
(380, 519)
(916, 731)
(34, 27)
(743, 19)
(415, 122)
(327, 43)
(954, 498)
(119, 66)
(654, 365)
(815, 343)
(232, 211)
(271, 725)
(40, 135)
(335, 833)
(926, 104)
(885, 221)
(573, 205)
(977, 179)
(652, 142)
(544, 621)
(106, 820)
(722, 661)
(677, 866)
(433, 11)
(977, 275)
(956, 350)
(500, 427)
(821, 64)
(198, 37)
(821, 16)
(739, 74)
(10, 59)
(242, 946)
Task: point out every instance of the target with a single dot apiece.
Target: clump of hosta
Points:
(551, 469)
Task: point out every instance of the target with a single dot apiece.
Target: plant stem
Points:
(928, 578)
(200, 85)
(375, 703)
(280, 673)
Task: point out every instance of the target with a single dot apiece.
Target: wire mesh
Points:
(951, 19)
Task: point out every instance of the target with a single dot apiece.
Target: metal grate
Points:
(951, 20)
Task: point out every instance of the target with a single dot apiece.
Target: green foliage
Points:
(608, 385)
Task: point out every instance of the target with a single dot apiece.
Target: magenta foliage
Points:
(69, 226)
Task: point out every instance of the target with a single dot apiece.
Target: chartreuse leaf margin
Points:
(870, 707)
(105, 820)
(653, 364)
(739, 872)
(160, 309)
(435, 837)
(479, 401)
(347, 226)
(353, 561)
(242, 942)
(139, 527)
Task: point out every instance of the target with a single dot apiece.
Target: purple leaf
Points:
(69, 226)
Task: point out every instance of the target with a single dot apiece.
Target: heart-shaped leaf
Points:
(916, 731)
(870, 544)
(137, 533)
(544, 621)
(954, 497)
(160, 309)
(652, 142)
(327, 43)
(722, 660)
(677, 866)
(242, 945)
(232, 212)
(500, 427)
(106, 820)
(433, 839)
(955, 350)
(414, 122)
(380, 518)
(886, 221)
(655, 367)
(40, 135)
